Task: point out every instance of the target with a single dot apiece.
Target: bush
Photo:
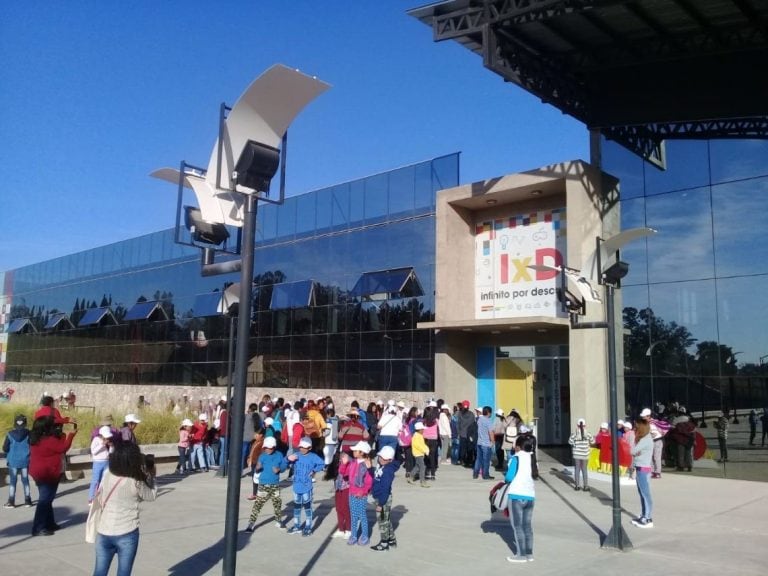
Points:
(155, 428)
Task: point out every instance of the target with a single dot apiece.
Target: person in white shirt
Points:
(101, 445)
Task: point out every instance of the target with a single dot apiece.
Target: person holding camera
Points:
(129, 480)
(47, 446)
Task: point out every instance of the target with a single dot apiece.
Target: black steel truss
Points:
(573, 73)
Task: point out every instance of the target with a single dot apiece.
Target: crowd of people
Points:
(359, 450)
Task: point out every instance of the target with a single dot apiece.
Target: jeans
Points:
(723, 448)
(520, 515)
(482, 462)
(302, 502)
(431, 459)
(124, 546)
(13, 474)
(223, 452)
(43, 519)
(644, 488)
(580, 469)
(388, 441)
(197, 460)
(183, 463)
(98, 471)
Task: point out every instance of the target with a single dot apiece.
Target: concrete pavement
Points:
(703, 526)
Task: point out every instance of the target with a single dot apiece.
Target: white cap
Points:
(524, 429)
(305, 443)
(223, 398)
(270, 442)
(132, 418)
(186, 422)
(620, 422)
(362, 446)
(499, 412)
(400, 404)
(645, 412)
(390, 402)
(387, 453)
(105, 432)
(628, 425)
(446, 407)
(380, 402)
(432, 404)
(268, 421)
(604, 425)
(418, 426)
(203, 417)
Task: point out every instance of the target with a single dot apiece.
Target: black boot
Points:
(392, 543)
(381, 546)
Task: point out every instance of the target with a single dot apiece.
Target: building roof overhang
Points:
(641, 71)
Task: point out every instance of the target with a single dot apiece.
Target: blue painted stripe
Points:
(486, 376)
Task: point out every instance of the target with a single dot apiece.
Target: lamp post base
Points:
(617, 538)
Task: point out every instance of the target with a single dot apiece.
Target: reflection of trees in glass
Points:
(667, 342)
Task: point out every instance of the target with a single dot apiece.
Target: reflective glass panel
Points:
(687, 167)
(626, 166)
(738, 159)
(739, 214)
(682, 249)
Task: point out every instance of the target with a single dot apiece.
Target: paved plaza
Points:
(702, 526)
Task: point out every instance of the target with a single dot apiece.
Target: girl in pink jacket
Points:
(360, 483)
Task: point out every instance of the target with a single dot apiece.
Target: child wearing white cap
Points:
(420, 451)
(305, 464)
(581, 441)
(100, 447)
(360, 482)
(269, 466)
(382, 495)
(185, 436)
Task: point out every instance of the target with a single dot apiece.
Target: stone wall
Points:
(124, 398)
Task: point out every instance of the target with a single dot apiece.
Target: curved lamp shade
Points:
(262, 114)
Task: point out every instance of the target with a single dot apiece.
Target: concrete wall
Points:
(120, 399)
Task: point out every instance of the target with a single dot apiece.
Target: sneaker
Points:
(643, 522)
(339, 534)
(516, 559)
(251, 527)
(529, 558)
(9, 504)
(28, 503)
(347, 534)
(363, 541)
(489, 477)
(424, 485)
(306, 532)
(279, 525)
(577, 488)
(586, 488)
(351, 540)
(252, 497)
(294, 530)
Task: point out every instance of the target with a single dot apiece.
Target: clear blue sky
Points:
(94, 95)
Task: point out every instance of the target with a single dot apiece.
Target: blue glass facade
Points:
(694, 305)
(331, 236)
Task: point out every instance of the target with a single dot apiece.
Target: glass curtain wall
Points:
(694, 311)
(323, 241)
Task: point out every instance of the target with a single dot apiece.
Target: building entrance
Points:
(533, 380)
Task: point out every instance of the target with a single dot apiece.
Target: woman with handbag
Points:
(129, 480)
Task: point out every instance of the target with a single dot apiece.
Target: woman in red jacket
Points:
(47, 446)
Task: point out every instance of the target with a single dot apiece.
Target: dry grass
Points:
(155, 428)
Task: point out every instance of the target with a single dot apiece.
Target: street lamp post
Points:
(609, 277)
(649, 353)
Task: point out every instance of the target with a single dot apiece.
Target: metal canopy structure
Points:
(641, 71)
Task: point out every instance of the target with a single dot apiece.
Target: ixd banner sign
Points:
(505, 286)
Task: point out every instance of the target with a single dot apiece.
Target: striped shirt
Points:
(722, 427)
(580, 443)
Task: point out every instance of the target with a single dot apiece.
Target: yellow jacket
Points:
(418, 445)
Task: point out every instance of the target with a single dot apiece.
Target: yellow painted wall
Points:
(514, 386)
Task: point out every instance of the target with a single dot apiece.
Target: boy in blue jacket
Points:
(382, 495)
(305, 465)
(270, 464)
(16, 446)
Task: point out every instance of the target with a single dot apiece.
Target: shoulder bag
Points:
(94, 514)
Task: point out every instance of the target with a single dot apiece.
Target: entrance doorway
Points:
(534, 381)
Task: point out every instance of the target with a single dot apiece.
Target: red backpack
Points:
(298, 433)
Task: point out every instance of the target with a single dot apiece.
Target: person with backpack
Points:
(16, 448)
(314, 426)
